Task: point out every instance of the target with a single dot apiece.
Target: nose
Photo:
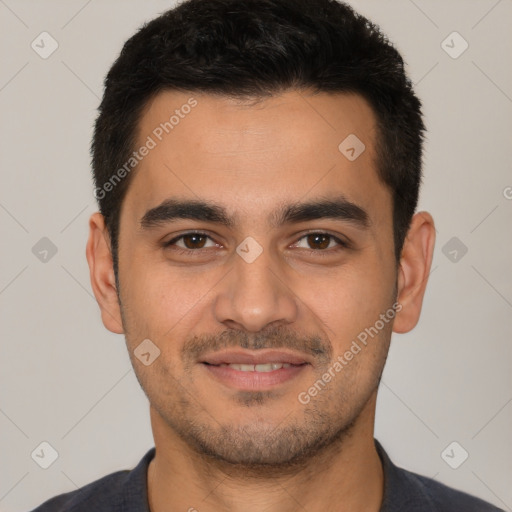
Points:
(254, 296)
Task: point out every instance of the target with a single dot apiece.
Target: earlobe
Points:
(101, 270)
(414, 270)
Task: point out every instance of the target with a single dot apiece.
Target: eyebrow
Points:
(339, 209)
(173, 209)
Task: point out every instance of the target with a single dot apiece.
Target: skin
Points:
(217, 447)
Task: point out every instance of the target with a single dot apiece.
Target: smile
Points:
(254, 377)
(265, 367)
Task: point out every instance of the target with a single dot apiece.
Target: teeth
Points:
(266, 367)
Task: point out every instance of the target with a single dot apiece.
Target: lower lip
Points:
(253, 381)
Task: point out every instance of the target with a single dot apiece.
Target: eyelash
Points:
(319, 252)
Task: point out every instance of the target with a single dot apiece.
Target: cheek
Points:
(160, 300)
(348, 299)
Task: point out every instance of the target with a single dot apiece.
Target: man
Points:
(257, 165)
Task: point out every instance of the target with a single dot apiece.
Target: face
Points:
(256, 256)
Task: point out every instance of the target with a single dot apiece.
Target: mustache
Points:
(319, 347)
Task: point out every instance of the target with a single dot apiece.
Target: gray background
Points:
(67, 381)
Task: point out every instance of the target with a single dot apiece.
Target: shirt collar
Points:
(401, 488)
(135, 489)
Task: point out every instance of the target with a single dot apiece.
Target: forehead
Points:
(252, 155)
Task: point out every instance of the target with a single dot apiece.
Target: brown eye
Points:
(194, 241)
(191, 241)
(318, 241)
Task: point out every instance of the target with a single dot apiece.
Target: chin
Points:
(260, 447)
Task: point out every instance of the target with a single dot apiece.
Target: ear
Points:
(101, 269)
(414, 270)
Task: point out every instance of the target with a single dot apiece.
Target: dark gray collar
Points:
(404, 491)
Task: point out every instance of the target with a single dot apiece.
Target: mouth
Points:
(250, 371)
(263, 367)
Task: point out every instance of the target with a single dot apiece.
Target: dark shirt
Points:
(126, 491)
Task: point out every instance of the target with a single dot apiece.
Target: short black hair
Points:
(257, 49)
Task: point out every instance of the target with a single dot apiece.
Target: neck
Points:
(345, 477)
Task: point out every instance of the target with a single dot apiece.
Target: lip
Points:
(255, 357)
(253, 380)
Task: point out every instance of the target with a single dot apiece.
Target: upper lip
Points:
(259, 357)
